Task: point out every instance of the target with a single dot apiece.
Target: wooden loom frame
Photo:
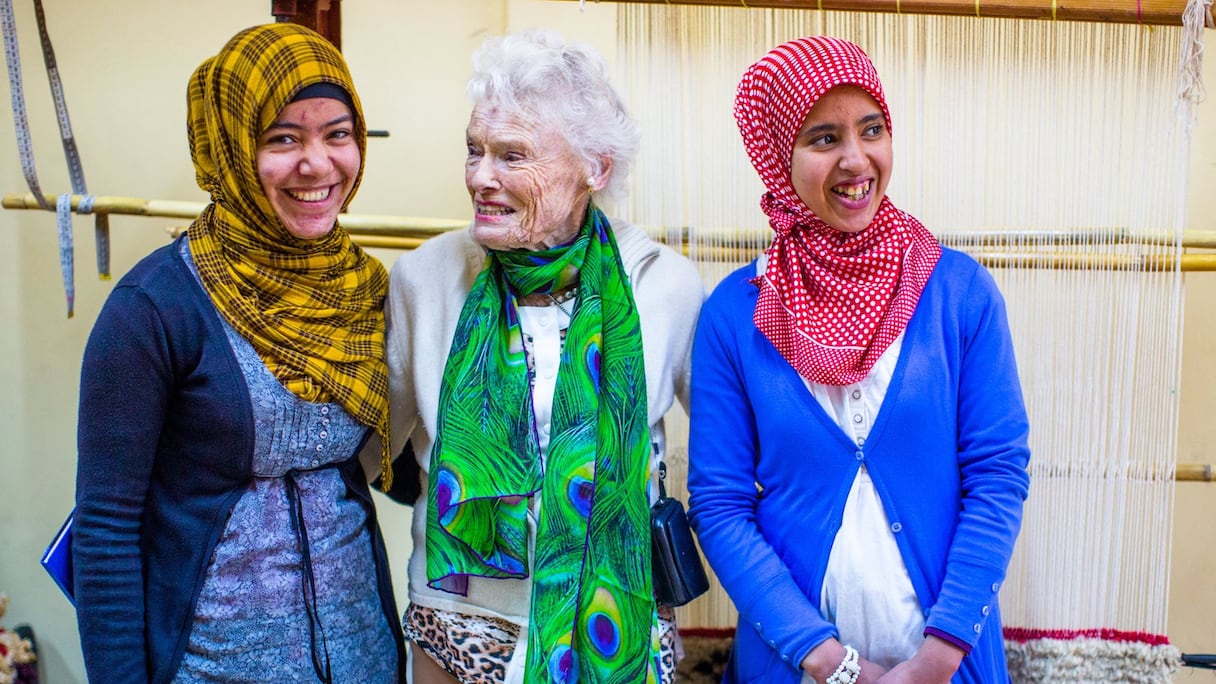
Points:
(1150, 12)
(985, 247)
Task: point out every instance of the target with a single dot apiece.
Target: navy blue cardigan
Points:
(165, 439)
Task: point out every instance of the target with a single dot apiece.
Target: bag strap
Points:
(662, 477)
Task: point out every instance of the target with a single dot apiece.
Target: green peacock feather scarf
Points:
(592, 613)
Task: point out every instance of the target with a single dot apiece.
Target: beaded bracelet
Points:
(848, 670)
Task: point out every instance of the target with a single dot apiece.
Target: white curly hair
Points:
(537, 74)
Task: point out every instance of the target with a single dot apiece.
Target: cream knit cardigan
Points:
(427, 290)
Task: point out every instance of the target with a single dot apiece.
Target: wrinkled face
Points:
(528, 185)
(308, 160)
(841, 161)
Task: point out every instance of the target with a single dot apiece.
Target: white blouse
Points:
(867, 592)
(542, 328)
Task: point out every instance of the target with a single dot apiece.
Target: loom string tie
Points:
(1191, 90)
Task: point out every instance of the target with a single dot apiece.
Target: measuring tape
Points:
(63, 207)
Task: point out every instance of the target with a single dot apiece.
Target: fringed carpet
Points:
(706, 651)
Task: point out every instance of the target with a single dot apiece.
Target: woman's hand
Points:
(935, 662)
(871, 673)
(823, 660)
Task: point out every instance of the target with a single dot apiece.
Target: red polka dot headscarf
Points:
(831, 302)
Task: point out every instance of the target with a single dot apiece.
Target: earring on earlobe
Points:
(591, 186)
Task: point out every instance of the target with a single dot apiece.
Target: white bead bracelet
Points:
(848, 670)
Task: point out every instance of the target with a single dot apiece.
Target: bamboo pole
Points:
(1193, 472)
(1183, 472)
(1156, 12)
(366, 224)
(407, 232)
(1116, 262)
(1198, 239)
(1190, 239)
(387, 242)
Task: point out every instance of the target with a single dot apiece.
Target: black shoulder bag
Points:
(679, 576)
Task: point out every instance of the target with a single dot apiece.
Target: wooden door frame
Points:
(322, 16)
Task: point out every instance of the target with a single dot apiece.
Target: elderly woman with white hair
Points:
(530, 395)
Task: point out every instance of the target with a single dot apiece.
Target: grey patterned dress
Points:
(261, 615)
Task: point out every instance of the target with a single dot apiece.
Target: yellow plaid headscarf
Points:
(313, 309)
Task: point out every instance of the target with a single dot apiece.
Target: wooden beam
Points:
(1155, 12)
(322, 16)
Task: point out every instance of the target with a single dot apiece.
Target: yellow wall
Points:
(125, 66)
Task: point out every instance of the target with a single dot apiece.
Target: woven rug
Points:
(706, 651)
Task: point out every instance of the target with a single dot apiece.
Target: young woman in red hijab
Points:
(858, 440)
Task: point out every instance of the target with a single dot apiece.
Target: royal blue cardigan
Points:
(770, 472)
(165, 440)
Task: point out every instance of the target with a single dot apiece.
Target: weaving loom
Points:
(1053, 151)
(1056, 153)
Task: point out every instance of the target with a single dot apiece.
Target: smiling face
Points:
(841, 161)
(308, 161)
(528, 185)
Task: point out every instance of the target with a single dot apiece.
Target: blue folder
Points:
(58, 558)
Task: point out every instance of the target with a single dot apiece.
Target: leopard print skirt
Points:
(476, 649)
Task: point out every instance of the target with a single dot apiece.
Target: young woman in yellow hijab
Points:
(224, 527)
